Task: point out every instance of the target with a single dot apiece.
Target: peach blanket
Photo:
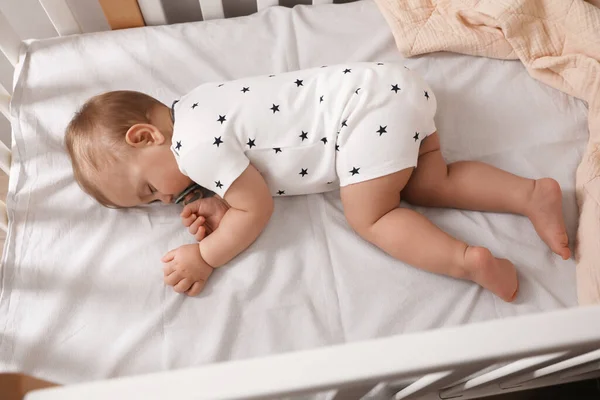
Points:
(558, 41)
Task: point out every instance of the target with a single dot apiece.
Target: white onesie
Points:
(306, 131)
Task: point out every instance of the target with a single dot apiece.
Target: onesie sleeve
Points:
(214, 165)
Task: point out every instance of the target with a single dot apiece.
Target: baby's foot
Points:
(545, 212)
(497, 275)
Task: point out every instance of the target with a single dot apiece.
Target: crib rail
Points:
(385, 365)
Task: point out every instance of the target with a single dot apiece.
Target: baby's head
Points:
(119, 144)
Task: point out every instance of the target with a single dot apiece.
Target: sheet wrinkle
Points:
(293, 49)
(331, 264)
(319, 231)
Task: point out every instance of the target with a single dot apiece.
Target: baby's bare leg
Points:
(372, 209)
(473, 185)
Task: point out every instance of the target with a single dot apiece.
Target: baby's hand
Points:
(186, 270)
(203, 216)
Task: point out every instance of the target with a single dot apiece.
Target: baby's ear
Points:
(141, 135)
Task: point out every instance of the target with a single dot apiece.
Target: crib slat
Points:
(61, 17)
(9, 41)
(212, 9)
(5, 158)
(434, 382)
(3, 217)
(4, 102)
(584, 369)
(561, 366)
(315, 2)
(422, 384)
(491, 390)
(153, 12)
(499, 373)
(261, 4)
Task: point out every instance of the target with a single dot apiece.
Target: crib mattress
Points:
(82, 296)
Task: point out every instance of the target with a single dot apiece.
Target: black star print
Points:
(299, 82)
(329, 183)
(344, 122)
(323, 66)
(416, 137)
(246, 89)
(337, 147)
(347, 71)
(270, 76)
(251, 142)
(324, 140)
(356, 91)
(304, 135)
(321, 99)
(426, 95)
(354, 171)
(194, 105)
(222, 119)
(280, 192)
(382, 130)
(395, 88)
(303, 171)
(275, 108)
(277, 149)
(178, 146)
(219, 184)
(379, 63)
(218, 141)
(221, 85)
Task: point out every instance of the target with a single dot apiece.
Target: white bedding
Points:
(82, 296)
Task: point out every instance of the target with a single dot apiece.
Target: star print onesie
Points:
(307, 131)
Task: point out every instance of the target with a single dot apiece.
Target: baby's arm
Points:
(251, 206)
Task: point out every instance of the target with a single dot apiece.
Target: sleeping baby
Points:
(366, 129)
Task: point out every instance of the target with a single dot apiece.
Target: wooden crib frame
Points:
(466, 362)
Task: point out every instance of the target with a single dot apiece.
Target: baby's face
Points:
(150, 175)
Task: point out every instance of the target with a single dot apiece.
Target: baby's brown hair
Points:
(95, 137)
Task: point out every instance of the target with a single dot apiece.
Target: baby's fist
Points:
(203, 216)
(196, 226)
(186, 270)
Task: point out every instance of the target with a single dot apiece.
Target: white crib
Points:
(466, 362)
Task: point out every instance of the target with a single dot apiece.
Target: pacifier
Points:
(190, 194)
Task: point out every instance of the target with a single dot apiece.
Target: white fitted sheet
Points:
(82, 296)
